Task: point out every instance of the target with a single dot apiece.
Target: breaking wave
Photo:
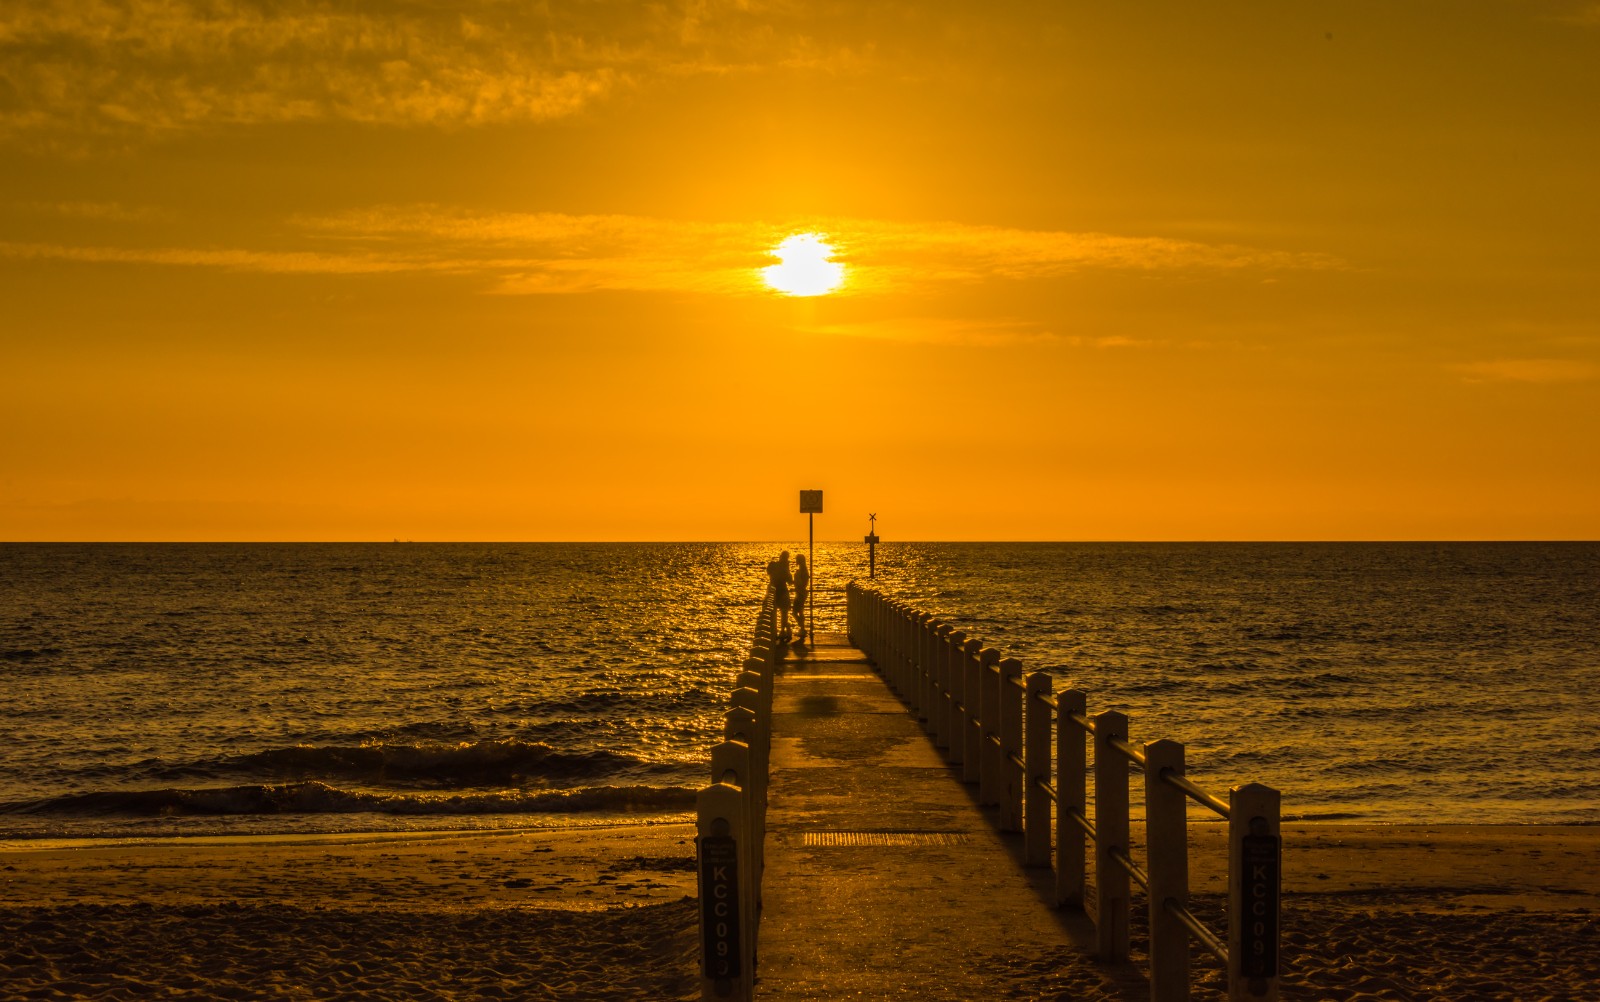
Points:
(427, 765)
(320, 798)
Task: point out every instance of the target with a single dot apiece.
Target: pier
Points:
(883, 877)
(897, 812)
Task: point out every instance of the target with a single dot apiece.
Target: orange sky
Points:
(483, 271)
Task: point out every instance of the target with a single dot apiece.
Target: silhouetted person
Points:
(802, 583)
(778, 572)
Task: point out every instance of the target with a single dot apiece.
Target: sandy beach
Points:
(591, 913)
(1432, 912)
(1383, 913)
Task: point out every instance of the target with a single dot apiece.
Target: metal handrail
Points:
(1197, 929)
(1135, 755)
(912, 637)
(1078, 818)
(1196, 794)
(1130, 867)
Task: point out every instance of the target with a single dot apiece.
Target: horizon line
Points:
(765, 542)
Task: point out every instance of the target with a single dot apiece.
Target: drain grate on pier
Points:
(885, 838)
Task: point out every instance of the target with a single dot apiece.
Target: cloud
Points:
(114, 212)
(558, 253)
(151, 67)
(162, 66)
(935, 330)
(270, 262)
(1530, 370)
(1586, 14)
(896, 253)
(981, 333)
(566, 253)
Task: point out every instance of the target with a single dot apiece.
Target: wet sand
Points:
(1390, 913)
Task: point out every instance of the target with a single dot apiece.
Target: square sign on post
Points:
(811, 502)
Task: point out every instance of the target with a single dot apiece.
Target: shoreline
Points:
(25, 843)
(1371, 912)
(1532, 866)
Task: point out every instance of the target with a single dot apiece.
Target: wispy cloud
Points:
(1530, 370)
(567, 253)
(557, 253)
(114, 212)
(898, 253)
(939, 330)
(270, 262)
(976, 332)
(158, 66)
(1585, 14)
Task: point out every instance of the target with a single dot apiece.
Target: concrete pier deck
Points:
(884, 878)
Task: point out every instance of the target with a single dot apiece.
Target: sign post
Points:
(811, 507)
(872, 545)
(724, 849)
(1255, 883)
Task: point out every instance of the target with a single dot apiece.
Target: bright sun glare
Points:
(804, 268)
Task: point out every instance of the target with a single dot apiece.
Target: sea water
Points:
(180, 689)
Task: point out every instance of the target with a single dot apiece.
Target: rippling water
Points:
(1381, 682)
(166, 689)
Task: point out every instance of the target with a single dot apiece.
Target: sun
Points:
(804, 267)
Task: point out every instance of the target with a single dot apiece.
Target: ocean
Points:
(152, 690)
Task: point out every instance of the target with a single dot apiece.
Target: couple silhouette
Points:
(782, 579)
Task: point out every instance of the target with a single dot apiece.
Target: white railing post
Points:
(867, 609)
(880, 633)
(1255, 869)
(763, 649)
(900, 629)
(988, 727)
(919, 684)
(1012, 775)
(1111, 837)
(1074, 801)
(872, 611)
(1036, 800)
(972, 740)
(749, 696)
(933, 639)
(849, 612)
(733, 763)
(921, 623)
(939, 664)
(727, 969)
(765, 675)
(1166, 810)
(955, 671)
(1072, 787)
(939, 659)
(910, 626)
(757, 737)
(891, 647)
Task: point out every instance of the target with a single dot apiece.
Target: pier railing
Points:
(732, 813)
(1025, 748)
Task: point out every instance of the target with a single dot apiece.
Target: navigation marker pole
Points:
(872, 545)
